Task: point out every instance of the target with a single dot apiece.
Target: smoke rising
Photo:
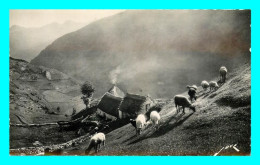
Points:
(158, 51)
(113, 75)
(131, 68)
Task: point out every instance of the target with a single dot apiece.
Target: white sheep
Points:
(140, 123)
(204, 85)
(184, 102)
(222, 74)
(155, 117)
(213, 85)
(95, 142)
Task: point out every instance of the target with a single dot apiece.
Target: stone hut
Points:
(108, 106)
(133, 105)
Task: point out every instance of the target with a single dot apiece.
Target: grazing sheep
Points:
(204, 85)
(95, 142)
(155, 117)
(184, 102)
(192, 93)
(140, 123)
(222, 74)
(213, 85)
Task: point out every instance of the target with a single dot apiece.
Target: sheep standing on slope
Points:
(140, 123)
(213, 85)
(184, 102)
(222, 74)
(155, 117)
(95, 142)
(204, 85)
(192, 92)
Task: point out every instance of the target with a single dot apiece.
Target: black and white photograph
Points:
(129, 82)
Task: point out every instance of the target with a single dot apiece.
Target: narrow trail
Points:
(19, 118)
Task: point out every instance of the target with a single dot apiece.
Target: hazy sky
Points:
(36, 18)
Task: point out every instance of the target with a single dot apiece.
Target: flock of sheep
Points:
(180, 101)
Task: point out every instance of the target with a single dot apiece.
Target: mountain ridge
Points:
(27, 42)
(142, 47)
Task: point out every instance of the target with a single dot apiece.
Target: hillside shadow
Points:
(211, 94)
(221, 83)
(204, 94)
(132, 137)
(167, 126)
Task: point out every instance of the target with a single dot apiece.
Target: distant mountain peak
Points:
(27, 42)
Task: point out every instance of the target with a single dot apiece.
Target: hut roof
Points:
(116, 92)
(132, 103)
(136, 96)
(109, 104)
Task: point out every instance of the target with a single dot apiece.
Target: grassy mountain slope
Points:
(143, 50)
(222, 118)
(34, 100)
